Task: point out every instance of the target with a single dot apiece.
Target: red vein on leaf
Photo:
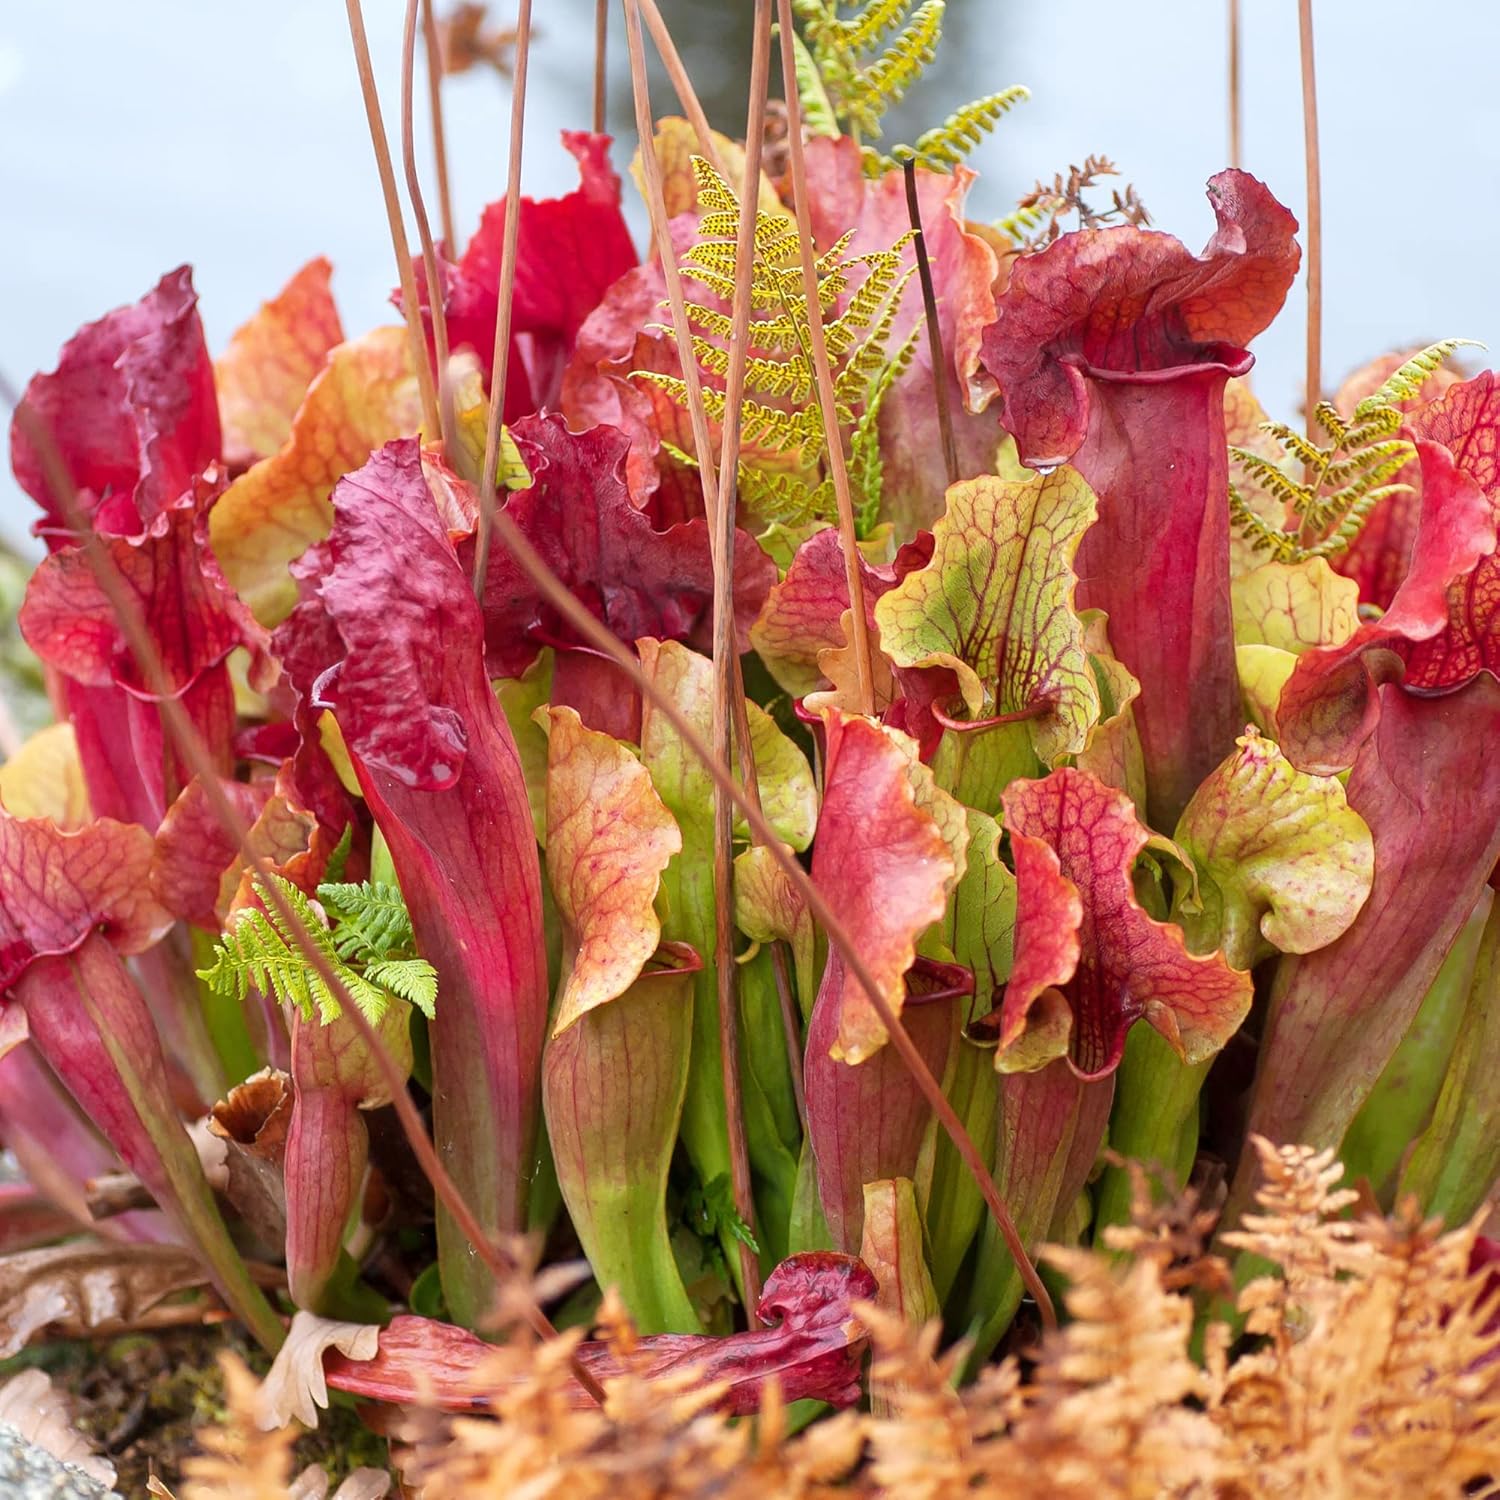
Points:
(416, 339)
(424, 229)
(434, 50)
(1314, 378)
(818, 347)
(501, 360)
(934, 333)
(184, 735)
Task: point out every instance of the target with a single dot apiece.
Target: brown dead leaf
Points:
(252, 1124)
(88, 1287)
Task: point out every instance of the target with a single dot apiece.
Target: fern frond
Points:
(1342, 483)
(1406, 383)
(818, 117)
(372, 919)
(866, 31)
(1023, 224)
(884, 82)
(260, 950)
(947, 145)
(767, 377)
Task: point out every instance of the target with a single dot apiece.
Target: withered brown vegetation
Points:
(1365, 1362)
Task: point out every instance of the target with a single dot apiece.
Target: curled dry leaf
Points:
(87, 1287)
(31, 1404)
(813, 1348)
(294, 1386)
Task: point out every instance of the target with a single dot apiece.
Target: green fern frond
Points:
(875, 87)
(1023, 224)
(818, 117)
(1342, 481)
(1406, 383)
(781, 413)
(949, 144)
(371, 919)
(260, 950)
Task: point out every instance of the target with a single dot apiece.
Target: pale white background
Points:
(136, 136)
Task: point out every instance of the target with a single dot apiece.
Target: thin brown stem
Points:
(601, 62)
(501, 361)
(598, 635)
(435, 295)
(823, 372)
(410, 307)
(434, 50)
(682, 85)
(791, 1025)
(185, 736)
(934, 333)
(1234, 83)
(725, 653)
(726, 972)
(1314, 378)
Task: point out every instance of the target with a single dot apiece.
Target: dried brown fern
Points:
(1370, 1366)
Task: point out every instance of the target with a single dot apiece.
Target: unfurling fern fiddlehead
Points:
(1343, 479)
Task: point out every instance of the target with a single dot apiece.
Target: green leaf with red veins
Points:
(769, 908)
(1112, 751)
(892, 1248)
(884, 861)
(519, 699)
(996, 605)
(1284, 862)
(1294, 606)
(609, 838)
(1089, 961)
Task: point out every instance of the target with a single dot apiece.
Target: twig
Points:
(682, 86)
(1314, 379)
(184, 735)
(435, 293)
(416, 339)
(1234, 83)
(501, 361)
(934, 333)
(725, 654)
(818, 344)
(601, 62)
(434, 50)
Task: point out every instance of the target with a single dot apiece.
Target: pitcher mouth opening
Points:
(1231, 359)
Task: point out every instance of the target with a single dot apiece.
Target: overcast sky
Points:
(141, 135)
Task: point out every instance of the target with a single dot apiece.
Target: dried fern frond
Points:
(1040, 214)
(1342, 479)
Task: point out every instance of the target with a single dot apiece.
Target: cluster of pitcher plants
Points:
(795, 758)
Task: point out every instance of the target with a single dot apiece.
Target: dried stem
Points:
(725, 653)
(1314, 379)
(501, 361)
(184, 735)
(682, 85)
(435, 296)
(726, 676)
(1234, 83)
(410, 308)
(818, 345)
(434, 50)
(601, 62)
(934, 333)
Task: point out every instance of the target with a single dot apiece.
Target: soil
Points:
(142, 1398)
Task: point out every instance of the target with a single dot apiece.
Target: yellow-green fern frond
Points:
(948, 144)
(1406, 383)
(873, 88)
(1328, 491)
(260, 950)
